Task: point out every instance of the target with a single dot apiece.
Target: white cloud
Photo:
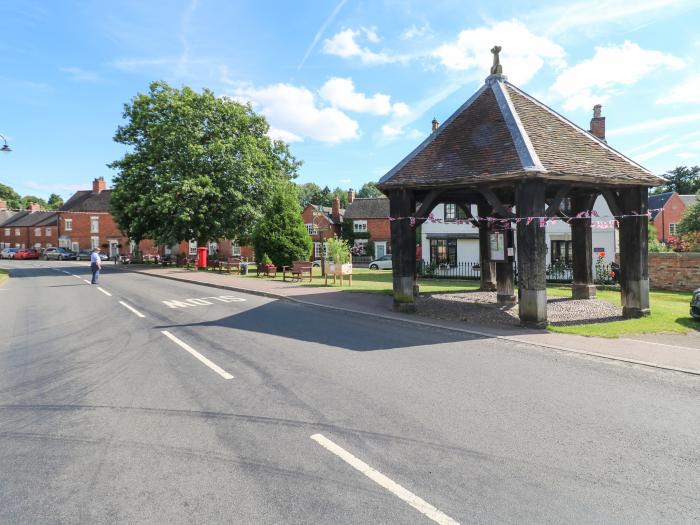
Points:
(340, 92)
(82, 75)
(294, 115)
(656, 152)
(53, 187)
(344, 45)
(686, 92)
(654, 125)
(414, 32)
(371, 34)
(594, 81)
(688, 155)
(391, 132)
(647, 145)
(320, 32)
(524, 53)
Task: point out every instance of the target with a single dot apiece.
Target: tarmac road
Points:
(143, 400)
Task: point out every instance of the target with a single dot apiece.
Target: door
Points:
(113, 249)
(379, 249)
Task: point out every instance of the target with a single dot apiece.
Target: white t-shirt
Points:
(94, 258)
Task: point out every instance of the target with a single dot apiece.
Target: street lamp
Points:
(5, 148)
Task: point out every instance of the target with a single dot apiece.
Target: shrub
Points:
(338, 250)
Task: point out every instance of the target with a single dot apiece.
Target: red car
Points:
(27, 253)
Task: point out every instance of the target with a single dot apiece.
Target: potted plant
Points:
(266, 265)
(339, 251)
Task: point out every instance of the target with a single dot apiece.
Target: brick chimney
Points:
(33, 206)
(351, 195)
(3, 204)
(598, 123)
(436, 124)
(335, 212)
(99, 185)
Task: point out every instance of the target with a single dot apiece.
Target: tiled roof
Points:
(328, 212)
(87, 200)
(689, 200)
(375, 208)
(503, 134)
(658, 201)
(36, 218)
(6, 215)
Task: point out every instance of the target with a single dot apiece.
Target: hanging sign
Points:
(497, 245)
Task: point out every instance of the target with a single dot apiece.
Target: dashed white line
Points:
(406, 495)
(134, 310)
(216, 368)
(67, 273)
(104, 291)
(76, 276)
(87, 281)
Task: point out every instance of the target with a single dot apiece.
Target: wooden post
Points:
(582, 248)
(487, 267)
(504, 274)
(403, 252)
(634, 269)
(532, 286)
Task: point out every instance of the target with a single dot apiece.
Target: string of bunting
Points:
(611, 222)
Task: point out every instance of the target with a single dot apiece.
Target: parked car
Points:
(59, 254)
(84, 255)
(695, 304)
(27, 253)
(8, 253)
(383, 263)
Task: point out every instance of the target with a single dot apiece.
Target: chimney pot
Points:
(3, 204)
(335, 212)
(33, 206)
(351, 195)
(598, 123)
(436, 124)
(99, 185)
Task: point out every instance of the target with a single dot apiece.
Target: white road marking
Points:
(406, 495)
(87, 281)
(658, 344)
(202, 301)
(104, 292)
(223, 373)
(76, 276)
(139, 314)
(64, 271)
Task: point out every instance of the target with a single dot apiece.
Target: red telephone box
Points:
(202, 256)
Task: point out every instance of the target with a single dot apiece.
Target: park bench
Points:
(297, 270)
(268, 270)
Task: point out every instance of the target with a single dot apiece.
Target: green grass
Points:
(4, 275)
(669, 310)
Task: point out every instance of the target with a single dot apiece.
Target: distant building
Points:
(667, 209)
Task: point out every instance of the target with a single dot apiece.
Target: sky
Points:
(351, 85)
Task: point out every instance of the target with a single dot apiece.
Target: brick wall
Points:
(379, 229)
(81, 233)
(671, 214)
(27, 237)
(674, 271)
(42, 240)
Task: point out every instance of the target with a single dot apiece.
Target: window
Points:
(359, 226)
(17, 234)
(7, 231)
(673, 228)
(236, 249)
(94, 224)
(311, 229)
(37, 232)
(562, 252)
(213, 247)
(453, 212)
(443, 251)
(193, 247)
(48, 232)
(75, 247)
(68, 224)
(361, 246)
(317, 250)
(94, 242)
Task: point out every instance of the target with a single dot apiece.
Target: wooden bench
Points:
(267, 271)
(297, 270)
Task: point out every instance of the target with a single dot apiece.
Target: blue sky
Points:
(351, 84)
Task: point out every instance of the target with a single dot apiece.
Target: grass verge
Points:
(4, 275)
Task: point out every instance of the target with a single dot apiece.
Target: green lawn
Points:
(669, 309)
(4, 274)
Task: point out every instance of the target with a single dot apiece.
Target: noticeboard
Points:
(497, 246)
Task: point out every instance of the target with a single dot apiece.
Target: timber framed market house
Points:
(521, 165)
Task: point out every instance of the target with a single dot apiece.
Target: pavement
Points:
(670, 351)
(144, 400)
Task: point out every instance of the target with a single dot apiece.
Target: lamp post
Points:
(5, 148)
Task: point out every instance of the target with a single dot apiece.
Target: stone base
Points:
(506, 299)
(405, 308)
(633, 313)
(540, 325)
(487, 287)
(416, 290)
(583, 291)
(533, 308)
(635, 298)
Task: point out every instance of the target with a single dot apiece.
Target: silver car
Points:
(8, 253)
(382, 263)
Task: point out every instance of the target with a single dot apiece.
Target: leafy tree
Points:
(27, 199)
(682, 179)
(369, 191)
(199, 167)
(654, 244)
(690, 222)
(309, 193)
(11, 197)
(55, 201)
(342, 196)
(281, 232)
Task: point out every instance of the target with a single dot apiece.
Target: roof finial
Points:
(496, 69)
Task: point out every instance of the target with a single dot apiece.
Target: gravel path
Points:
(481, 308)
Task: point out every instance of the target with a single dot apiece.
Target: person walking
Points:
(95, 264)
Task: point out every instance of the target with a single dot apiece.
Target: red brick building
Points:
(370, 224)
(667, 210)
(32, 228)
(323, 221)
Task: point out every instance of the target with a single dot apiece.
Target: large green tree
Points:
(55, 201)
(29, 199)
(309, 193)
(369, 190)
(690, 222)
(199, 167)
(281, 233)
(683, 180)
(11, 197)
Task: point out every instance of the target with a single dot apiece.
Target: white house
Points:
(450, 239)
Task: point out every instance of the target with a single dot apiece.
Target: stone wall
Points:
(674, 271)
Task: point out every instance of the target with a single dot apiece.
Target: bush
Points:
(339, 251)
